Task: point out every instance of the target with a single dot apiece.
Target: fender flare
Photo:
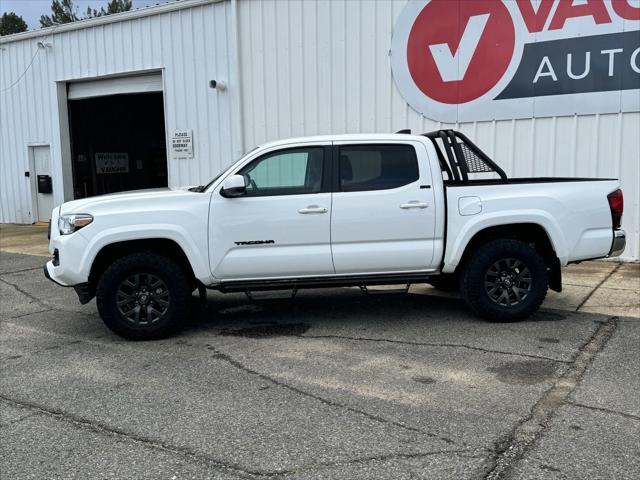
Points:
(457, 245)
(175, 233)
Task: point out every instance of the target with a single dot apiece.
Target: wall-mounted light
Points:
(218, 85)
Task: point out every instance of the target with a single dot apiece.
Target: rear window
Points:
(377, 167)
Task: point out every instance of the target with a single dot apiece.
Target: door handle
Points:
(414, 204)
(312, 209)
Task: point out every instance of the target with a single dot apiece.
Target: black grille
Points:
(459, 156)
(472, 161)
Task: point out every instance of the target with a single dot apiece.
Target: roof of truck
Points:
(356, 137)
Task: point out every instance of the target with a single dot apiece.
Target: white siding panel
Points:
(189, 46)
(328, 72)
(306, 67)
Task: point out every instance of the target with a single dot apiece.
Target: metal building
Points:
(171, 94)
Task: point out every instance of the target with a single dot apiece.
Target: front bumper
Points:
(83, 290)
(618, 244)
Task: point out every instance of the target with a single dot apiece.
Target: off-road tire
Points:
(477, 296)
(174, 280)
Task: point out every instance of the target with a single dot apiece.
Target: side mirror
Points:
(233, 186)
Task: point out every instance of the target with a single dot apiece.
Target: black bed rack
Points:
(459, 156)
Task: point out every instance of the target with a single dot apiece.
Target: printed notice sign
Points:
(112, 163)
(182, 144)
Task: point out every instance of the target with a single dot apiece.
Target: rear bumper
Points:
(618, 244)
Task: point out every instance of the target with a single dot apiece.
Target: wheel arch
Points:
(113, 251)
(528, 232)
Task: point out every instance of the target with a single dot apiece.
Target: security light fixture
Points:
(218, 85)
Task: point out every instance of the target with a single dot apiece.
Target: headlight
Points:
(70, 223)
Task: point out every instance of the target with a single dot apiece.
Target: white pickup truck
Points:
(344, 210)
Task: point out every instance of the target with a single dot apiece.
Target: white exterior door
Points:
(42, 165)
(281, 226)
(383, 217)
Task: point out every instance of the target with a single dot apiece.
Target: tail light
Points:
(616, 204)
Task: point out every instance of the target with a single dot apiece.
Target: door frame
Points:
(33, 185)
(426, 169)
(62, 88)
(259, 152)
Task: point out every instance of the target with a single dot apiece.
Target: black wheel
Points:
(505, 280)
(144, 296)
(446, 283)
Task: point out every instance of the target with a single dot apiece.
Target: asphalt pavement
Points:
(330, 384)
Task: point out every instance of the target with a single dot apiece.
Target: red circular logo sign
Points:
(458, 51)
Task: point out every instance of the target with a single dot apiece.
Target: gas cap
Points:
(469, 205)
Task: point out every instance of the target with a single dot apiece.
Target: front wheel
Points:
(505, 280)
(143, 296)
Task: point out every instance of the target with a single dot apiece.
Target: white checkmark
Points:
(452, 67)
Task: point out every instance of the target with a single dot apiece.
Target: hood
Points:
(88, 205)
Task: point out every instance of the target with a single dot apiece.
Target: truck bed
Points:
(524, 180)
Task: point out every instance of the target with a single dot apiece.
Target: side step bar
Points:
(367, 290)
(320, 282)
(271, 294)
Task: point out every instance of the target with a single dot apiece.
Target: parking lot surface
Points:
(331, 384)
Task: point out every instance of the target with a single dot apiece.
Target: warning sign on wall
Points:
(182, 144)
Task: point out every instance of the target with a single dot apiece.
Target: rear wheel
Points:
(505, 280)
(143, 296)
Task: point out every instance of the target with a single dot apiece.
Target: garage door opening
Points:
(118, 140)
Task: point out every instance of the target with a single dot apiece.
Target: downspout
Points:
(235, 84)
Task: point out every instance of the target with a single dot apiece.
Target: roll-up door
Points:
(115, 86)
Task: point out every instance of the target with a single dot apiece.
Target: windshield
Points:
(203, 188)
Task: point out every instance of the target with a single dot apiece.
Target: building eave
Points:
(113, 18)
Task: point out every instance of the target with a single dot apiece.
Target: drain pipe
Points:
(235, 83)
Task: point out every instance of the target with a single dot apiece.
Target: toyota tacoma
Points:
(343, 210)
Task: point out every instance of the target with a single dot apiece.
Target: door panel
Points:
(382, 227)
(298, 243)
(42, 166)
(281, 227)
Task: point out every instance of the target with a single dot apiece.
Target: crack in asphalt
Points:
(29, 313)
(21, 270)
(607, 277)
(427, 344)
(235, 363)
(44, 350)
(238, 365)
(18, 420)
(524, 434)
(30, 296)
(605, 410)
(374, 458)
(47, 307)
(103, 429)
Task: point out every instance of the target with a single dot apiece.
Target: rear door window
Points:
(376, 167)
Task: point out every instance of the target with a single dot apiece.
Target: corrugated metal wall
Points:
(312, 67)
(191, 46)
(306, 67)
